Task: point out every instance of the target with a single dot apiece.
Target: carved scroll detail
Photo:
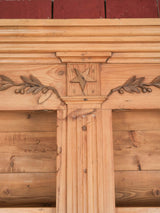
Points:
(135, 85)
(29, 85)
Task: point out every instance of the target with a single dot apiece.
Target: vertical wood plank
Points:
(33, 9)
(61, 163)
(90, 172)
(78, 9)
(108, 162)
(71, 164)
(131, 9)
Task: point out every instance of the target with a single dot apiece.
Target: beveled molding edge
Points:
(32, 85)
(84, 57)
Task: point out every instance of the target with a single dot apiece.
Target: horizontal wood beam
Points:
(28, 210)
(80, 22)
(138, 210)
(53, 210)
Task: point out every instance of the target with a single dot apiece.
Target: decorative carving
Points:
(82, 79)
(135, 85)
(29, 85)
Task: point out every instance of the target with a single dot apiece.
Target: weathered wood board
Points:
(136, 155)
(27, 158)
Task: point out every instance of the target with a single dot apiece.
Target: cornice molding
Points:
(80, 41)
(84, 57)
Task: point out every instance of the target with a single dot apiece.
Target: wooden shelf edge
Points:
(53, 210)
(28, 210)
(138, 210)
(80, 22)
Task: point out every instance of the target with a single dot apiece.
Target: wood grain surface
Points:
(136, 136)
(27, 158)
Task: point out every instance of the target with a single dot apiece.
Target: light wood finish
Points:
(51, 75)
(27, 158)
(136, 140)
(136, 154)
(84, 57)
(89, 166)
(28, 121)
(53, 210)
(61, 177)
(137, 210)
(137, 150)
(28, 210)
(83, 180)
(91, 88)
(81, 22)
(113, 75)
(137, 58)
(27, 189)
(46, 41)
(27, 152)
(138, 188)
(145, 120)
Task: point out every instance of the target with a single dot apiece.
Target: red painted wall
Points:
(32, 9)
(79, 9)
(132, 8)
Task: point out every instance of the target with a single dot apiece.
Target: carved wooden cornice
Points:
(61, 41)
(79, 61)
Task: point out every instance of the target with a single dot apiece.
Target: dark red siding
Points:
(78, 9)
(131, 8)
(32, 9)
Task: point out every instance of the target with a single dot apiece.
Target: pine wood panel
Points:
(51, 75)
(137, 150)
(81, 22)
(22, 58)
(27, 152)
(136, 139)
(42, 39)
(137, 210)
(104, 29)
(114, 75)
(88, 163)
(91, 88)
(135, 58)
(112, 47)
(61, 177)
(28, 210)
(136, 120)
(138, 188)
(53, 210)
(63, 39)
(27, 121)
(27, 158)
(27, 189)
